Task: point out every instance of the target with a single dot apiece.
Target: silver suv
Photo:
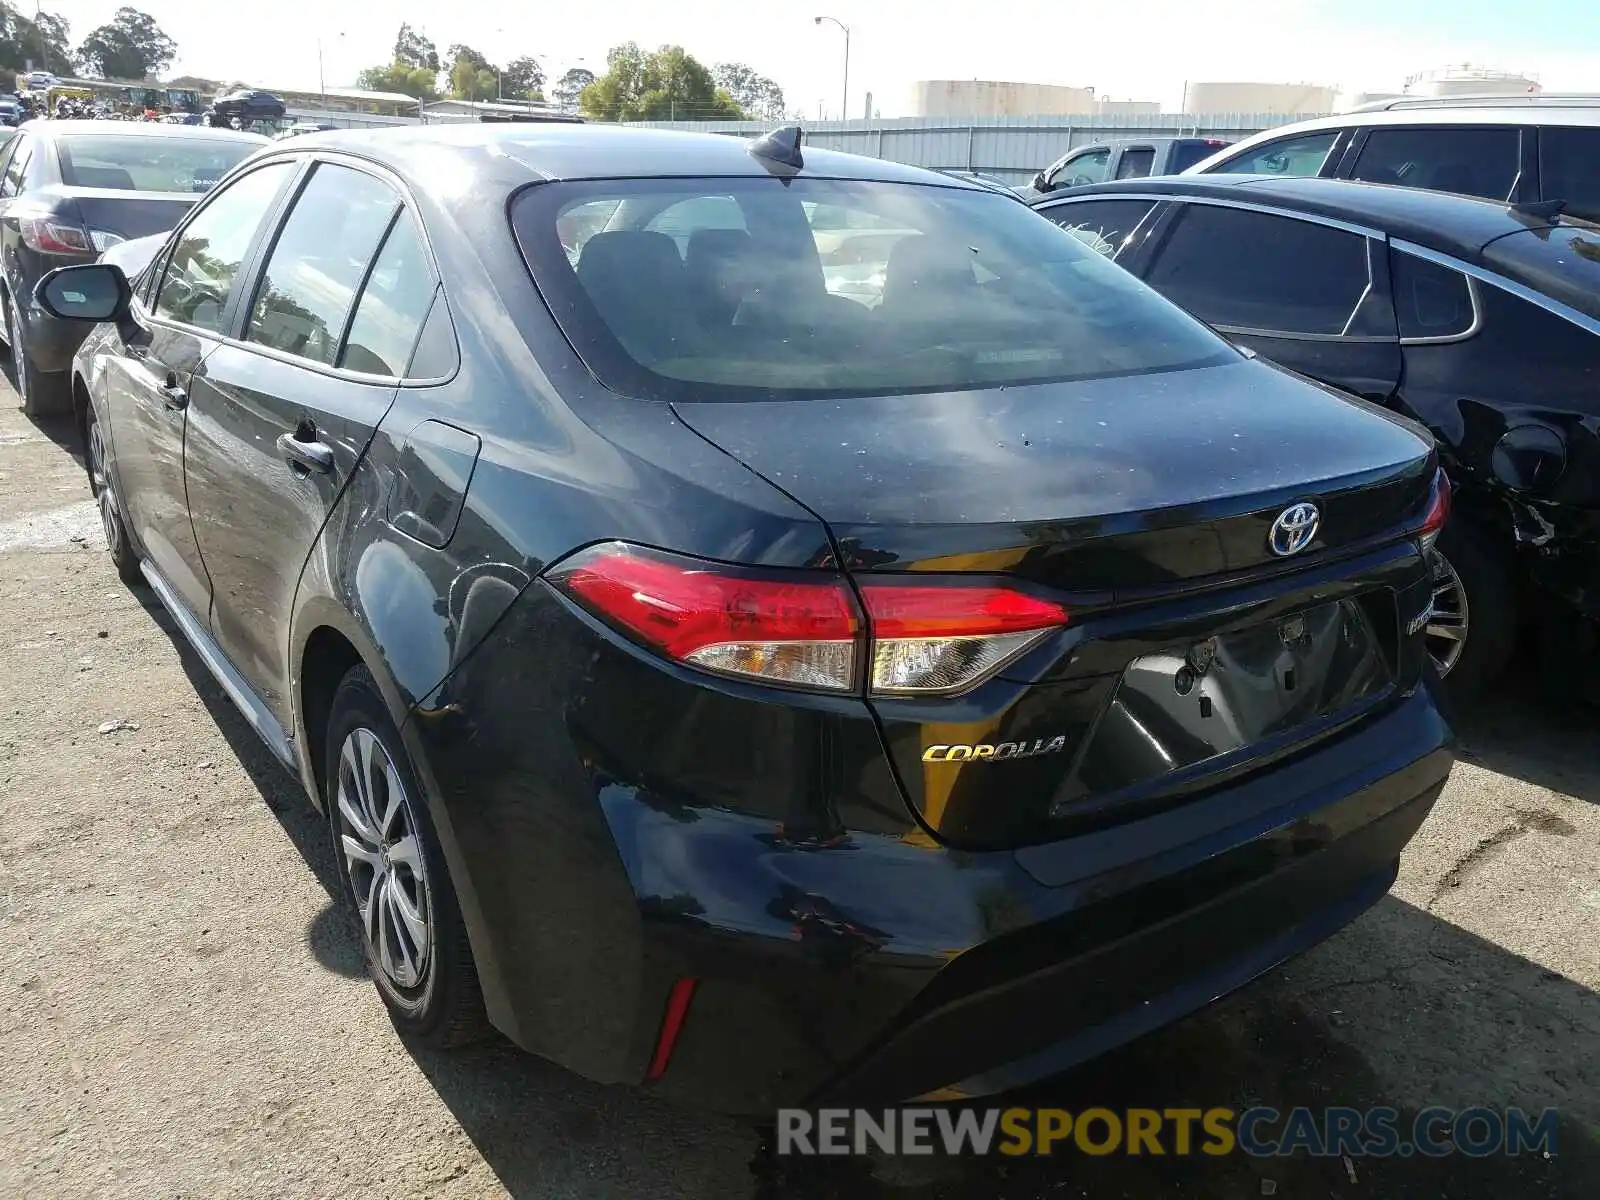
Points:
(1524, 148)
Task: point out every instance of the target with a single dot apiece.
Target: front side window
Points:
(1249, 270)
(905, 288)
(149, 164)
(1083, 169)
(321, 256)
(206, 259)
(1472, 162)
(1103, 225)
(1296, 156)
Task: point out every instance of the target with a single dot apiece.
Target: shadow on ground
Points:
(1401, 1009)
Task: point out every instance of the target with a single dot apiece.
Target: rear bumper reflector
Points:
(671, 1025)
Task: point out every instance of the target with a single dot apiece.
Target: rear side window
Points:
(1253, 271)
(1302, 155)
(393, 305)
(1430, 300)
(15, 168)
(1569, 169)
(1471, 162)
(1102, 225)
(1186, 154)
(318, 262)
(1136, 163)
(905, 288)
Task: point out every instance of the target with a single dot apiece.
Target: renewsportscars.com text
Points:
(1259, 1132)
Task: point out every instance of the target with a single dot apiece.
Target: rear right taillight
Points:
(920, 635)
(1438, 511)
(51, 235)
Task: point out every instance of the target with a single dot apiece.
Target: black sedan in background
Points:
(1479, 319)
(758, 680)
(68, 191)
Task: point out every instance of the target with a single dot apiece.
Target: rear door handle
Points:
(305, 456)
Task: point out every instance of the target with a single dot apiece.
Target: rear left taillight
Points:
(918, 637)
(51, 235)
(1438, 511)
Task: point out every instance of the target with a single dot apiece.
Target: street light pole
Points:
(844, 104)
(322, 81)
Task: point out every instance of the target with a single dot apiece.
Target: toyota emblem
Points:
(1293, 530)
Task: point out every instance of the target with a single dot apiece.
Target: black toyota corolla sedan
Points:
(762, 623)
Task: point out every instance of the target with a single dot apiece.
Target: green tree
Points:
(523, 79)
(668, 84)
(414, 50)
(400, 77)
(570, 86)
(759, 96)
(44, 43)
(130, 46)
(472, 76)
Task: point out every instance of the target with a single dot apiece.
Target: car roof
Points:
(1571, 114)
(1461, 227)
(558, 151)
(155, 129)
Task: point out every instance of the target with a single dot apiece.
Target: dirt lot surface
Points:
(182, 1011)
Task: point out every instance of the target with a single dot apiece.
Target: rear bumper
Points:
(51, 343)
(877, 966)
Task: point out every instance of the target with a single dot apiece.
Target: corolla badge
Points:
(1293, 530)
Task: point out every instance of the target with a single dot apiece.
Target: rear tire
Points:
(1486, 580)
(43, 394)
(96, 462)
(394, 875)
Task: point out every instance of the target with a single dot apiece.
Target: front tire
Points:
(394, 875)
(97, 462)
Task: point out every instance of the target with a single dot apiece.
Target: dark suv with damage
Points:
(762, 623)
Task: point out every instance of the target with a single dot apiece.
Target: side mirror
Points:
(86, 292)
(1040, 182)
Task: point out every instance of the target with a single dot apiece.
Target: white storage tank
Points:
(1290, 99)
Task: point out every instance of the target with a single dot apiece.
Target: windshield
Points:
(737, 288)
(149, 164)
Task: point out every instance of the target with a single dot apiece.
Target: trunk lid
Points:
(127, 214)
(1110, 485)
(1144, 504)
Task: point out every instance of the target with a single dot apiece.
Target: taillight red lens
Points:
(723, 619)
(802, 628)
(1438, 510)
(928, 640)
(49, 236)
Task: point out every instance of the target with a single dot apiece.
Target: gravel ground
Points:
(182, 1011)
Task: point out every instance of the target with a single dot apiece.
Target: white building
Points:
(1289, 99)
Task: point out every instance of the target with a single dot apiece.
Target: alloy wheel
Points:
(1448, 616)
(383, 861)
(19, 356)
(102, 489)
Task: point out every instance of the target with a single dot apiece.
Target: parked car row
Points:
(70, 190)
(1478, 318)
(772, 626)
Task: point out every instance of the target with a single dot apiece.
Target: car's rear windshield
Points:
(1562, 261)
(772, 288)
(148, 164)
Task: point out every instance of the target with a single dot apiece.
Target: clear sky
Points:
(1144, 50)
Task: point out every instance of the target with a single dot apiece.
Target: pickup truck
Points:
(1130, 159)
